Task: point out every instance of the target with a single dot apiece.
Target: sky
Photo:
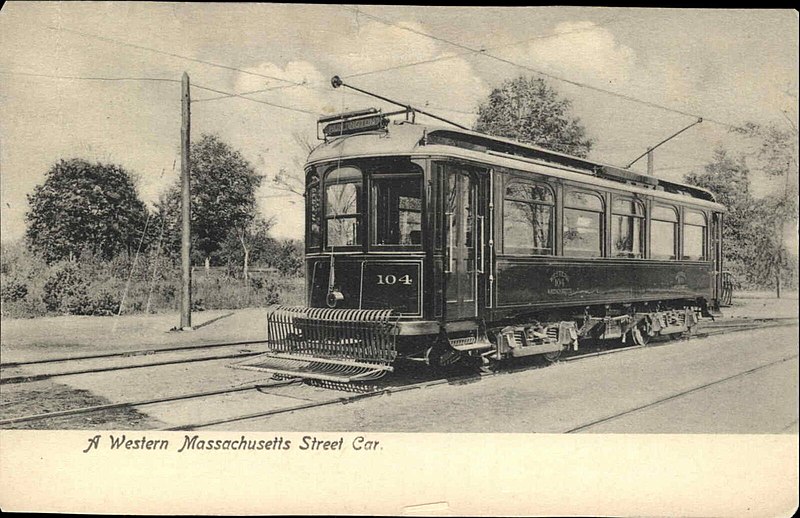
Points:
(727, 66)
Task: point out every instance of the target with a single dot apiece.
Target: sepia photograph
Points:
(264, 258)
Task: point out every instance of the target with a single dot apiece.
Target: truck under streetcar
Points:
(444, 245)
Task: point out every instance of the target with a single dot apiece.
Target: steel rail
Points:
(391, 390)
(130, 404)
(29, 378)
(313, 404)
(139, 352)
(677, 395)
(341, 399)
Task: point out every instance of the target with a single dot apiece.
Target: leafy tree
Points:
(84, 206)
(729, 179)
(751, 246)
(223, 188)
(530, 110)
(776, 156)
(288, 257)
(251, 245)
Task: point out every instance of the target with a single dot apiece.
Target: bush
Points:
(289, 259)
(12, 290)
(65, 288)
(92, 285)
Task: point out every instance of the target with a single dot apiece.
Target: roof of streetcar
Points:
(405, 138)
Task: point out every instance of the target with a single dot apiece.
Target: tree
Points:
(223, 198)
(84, 206)
(729, 179)
(777, 156)
(751, 245)
(530, 110)
(294, 181)
(251, 245)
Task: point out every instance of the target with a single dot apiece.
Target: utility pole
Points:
(186, 210)
(650, 161)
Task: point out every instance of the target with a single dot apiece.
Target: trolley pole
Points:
(186, 210)
(650, 161)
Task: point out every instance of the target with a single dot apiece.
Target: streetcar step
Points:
(302, 366)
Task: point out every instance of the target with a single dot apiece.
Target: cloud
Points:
(581, 51)
(375, 46)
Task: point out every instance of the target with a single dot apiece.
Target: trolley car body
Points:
(485, 247)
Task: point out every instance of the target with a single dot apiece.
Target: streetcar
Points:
(442, 245)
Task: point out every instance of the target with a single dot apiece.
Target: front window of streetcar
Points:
(397, 206)
(343, 212)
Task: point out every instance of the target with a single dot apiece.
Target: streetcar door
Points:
(461, 213)
(716, 233)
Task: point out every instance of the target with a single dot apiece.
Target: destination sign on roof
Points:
(347, 127)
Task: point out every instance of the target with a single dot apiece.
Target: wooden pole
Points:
(186, 210)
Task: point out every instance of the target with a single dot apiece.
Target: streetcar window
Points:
(313, 212)
(528, 219)
(663, 232)
(583, 224)
(694, 236)
(343, 207)
(397, 206)
(627, 228)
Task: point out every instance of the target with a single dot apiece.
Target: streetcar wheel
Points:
(552, 356)
(641, 333)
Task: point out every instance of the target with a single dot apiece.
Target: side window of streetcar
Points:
(583, 224)
(663, 232)
(528, 219)
(694, 236)
(313, 212)
(627, 228)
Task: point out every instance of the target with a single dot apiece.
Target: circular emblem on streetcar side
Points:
(559, 279)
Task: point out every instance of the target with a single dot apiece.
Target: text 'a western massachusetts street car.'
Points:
(440, 245)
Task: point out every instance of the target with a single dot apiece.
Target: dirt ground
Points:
(53, 397)
(30, 339)
(762, 304)
(560, 397)
(64, 336)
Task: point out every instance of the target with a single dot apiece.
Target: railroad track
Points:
(27, 377)
(682, 393)
(127, 354)
(705, 329)
(374, 390)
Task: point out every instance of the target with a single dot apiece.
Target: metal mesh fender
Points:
(328, 344)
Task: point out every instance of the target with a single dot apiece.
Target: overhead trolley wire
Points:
(91, 78)
(385, 21)
(536, 71)
(166, 53)
(417, 63)
(155, 79)
(241, 96)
